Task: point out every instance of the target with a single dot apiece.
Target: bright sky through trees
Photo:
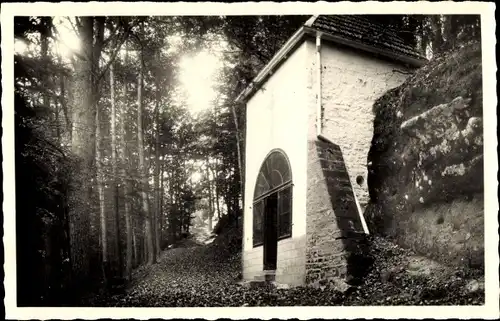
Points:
(197, 77)
(68, 41)
(198, 72)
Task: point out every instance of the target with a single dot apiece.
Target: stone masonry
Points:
(334, 229)
(351, 82)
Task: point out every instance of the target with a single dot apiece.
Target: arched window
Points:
(273, 194)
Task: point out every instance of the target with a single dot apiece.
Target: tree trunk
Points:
(210, 200)
(157, 169)
(114, 164)
(160, 218)
(170, 230)
(83, 147)
(128, 227)
(63, 101)
(151, 254)
(130, 247)
(45, 33)
(437, 35)
(100, 191)
(56, 118)
(66, 104)
(217, 194)
(238, 148)
(449, 31)
(136, 248)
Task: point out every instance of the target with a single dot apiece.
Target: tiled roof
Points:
(355, 31)
(362, 30)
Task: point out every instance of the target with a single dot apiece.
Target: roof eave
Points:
(271, 65)
(414, 62)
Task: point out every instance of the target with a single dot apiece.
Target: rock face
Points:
(426, 161)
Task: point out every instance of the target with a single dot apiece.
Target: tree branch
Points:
(124, 37)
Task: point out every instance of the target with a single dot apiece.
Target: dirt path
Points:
(206, 276)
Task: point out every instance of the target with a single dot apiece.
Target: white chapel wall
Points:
(277, 118)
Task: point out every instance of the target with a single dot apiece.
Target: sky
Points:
(68, 40)
(197, 76)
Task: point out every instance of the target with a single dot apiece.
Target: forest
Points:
(118, 163)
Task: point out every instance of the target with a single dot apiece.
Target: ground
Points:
(207, 275)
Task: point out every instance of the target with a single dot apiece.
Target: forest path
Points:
(205, 275)
(189, 276)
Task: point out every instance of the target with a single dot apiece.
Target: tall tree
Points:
(114, 164)
(83, 146)
(157, 195)
(130, 245)
(87, 76)
(100, 191)
(45, 35)
(151, 253)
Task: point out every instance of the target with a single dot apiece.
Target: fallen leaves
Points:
(208, 275)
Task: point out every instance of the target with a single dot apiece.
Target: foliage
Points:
(42, 178)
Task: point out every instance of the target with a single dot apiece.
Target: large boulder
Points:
(426, 161)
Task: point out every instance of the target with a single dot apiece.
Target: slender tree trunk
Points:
(128, 227)
(130, 247)
(210, 200)
(238, 147)
(171, 230)
(151, 254)
(162, 193)
(145, 239)
(157, 169)
(136, 248)
(58, 127)
(100, 191)
(217, 194)
(114, 164)
(67, 111)
(44, 47)
(63, 101)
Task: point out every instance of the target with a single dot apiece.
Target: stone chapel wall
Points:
(351, 82)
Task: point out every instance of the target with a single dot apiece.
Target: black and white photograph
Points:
(230, 159)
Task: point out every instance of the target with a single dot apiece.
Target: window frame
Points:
(289, 213)
(261, 240)
(261, 198)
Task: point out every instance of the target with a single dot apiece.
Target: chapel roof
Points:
(353, 31)
(362, 30)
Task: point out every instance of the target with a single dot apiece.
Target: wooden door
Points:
(271, 232)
